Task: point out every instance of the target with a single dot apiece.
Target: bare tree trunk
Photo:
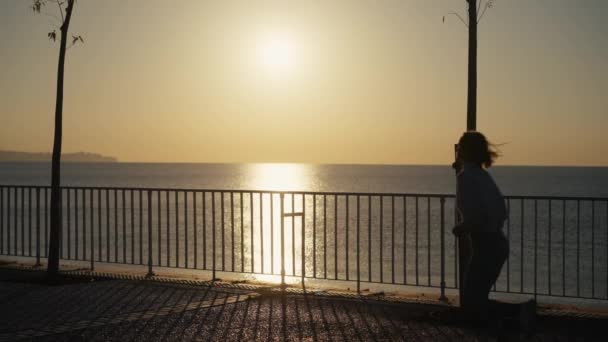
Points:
(56, 221)
(472, 87)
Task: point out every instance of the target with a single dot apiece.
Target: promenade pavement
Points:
(91, 307)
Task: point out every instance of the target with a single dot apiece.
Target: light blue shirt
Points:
(479, 200)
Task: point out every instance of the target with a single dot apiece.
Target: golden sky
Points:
(347, 81)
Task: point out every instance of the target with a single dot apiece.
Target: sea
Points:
(559, 246)
(424, 179)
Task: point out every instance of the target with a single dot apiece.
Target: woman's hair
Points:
(474, 147)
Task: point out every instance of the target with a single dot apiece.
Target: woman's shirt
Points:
(479, 200)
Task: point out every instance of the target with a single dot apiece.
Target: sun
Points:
(277, 53)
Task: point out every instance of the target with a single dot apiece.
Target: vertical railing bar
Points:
(115, 225)
(194, 215)
(282, 197)
(442, 297)
(177, 229)
(69, 223)
(232, 227)
(8, 220)
(381, 239)
(521, 250)
(107, 225)
(124, 227)
(84, 224)
(578, 247)
(7, 205)
(132, 198)
(76, 228)
(213, 228)
(223, 232)
(293, 237)
(404, 239)
(314, 235)
(2, 220)
(416, 241)
(16, 226)
(369, 238)
(14, 220)
(509, 241)
(358, 245)
(262, 232)
(549, 246)
(303, 238)
(535, 246)
(46, 221)
(204, 200)
(272, 233)
(186, 256)
(29, 221)
(607, 249)
(23, 221)
(150, 273)
(251, 227)
(37, 223)
(242, 234)
(92, 223)
(168, 232)
(336, 236)
(564, 248)
(593, 248)
(99, 225)
(4, 228)
(141, 228)
(325, 236)
(347, 242)
(158, 223)
(392, 239)
(428, 238)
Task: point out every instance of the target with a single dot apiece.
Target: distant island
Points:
(78, 157)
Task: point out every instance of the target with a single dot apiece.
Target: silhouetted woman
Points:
(483, 212)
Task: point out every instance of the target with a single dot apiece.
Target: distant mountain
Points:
(78, 157)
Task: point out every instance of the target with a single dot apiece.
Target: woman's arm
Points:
(469, 203)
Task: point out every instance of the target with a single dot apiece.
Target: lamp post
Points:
(463, 240)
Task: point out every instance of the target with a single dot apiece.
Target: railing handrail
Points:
(298, 192)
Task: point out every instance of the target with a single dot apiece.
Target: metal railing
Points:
(558, 244)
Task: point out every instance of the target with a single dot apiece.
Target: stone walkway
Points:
(103, 309)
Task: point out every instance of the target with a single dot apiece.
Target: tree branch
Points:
(488, 5)
(459, 17)
(60, 10)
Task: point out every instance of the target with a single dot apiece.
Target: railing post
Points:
(442, 298)
(150, 272)
(358, 247)
(37, 227)
(213, 278)
(303, 239)
(283, 241)
(92, 229)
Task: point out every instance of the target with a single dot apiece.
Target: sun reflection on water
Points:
(276, 177)
(279, 177)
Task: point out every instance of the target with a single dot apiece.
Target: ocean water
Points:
(513, 180)
(558, 247)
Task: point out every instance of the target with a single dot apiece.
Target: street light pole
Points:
(472, 86)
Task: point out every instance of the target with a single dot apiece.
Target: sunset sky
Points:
(351, 81)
